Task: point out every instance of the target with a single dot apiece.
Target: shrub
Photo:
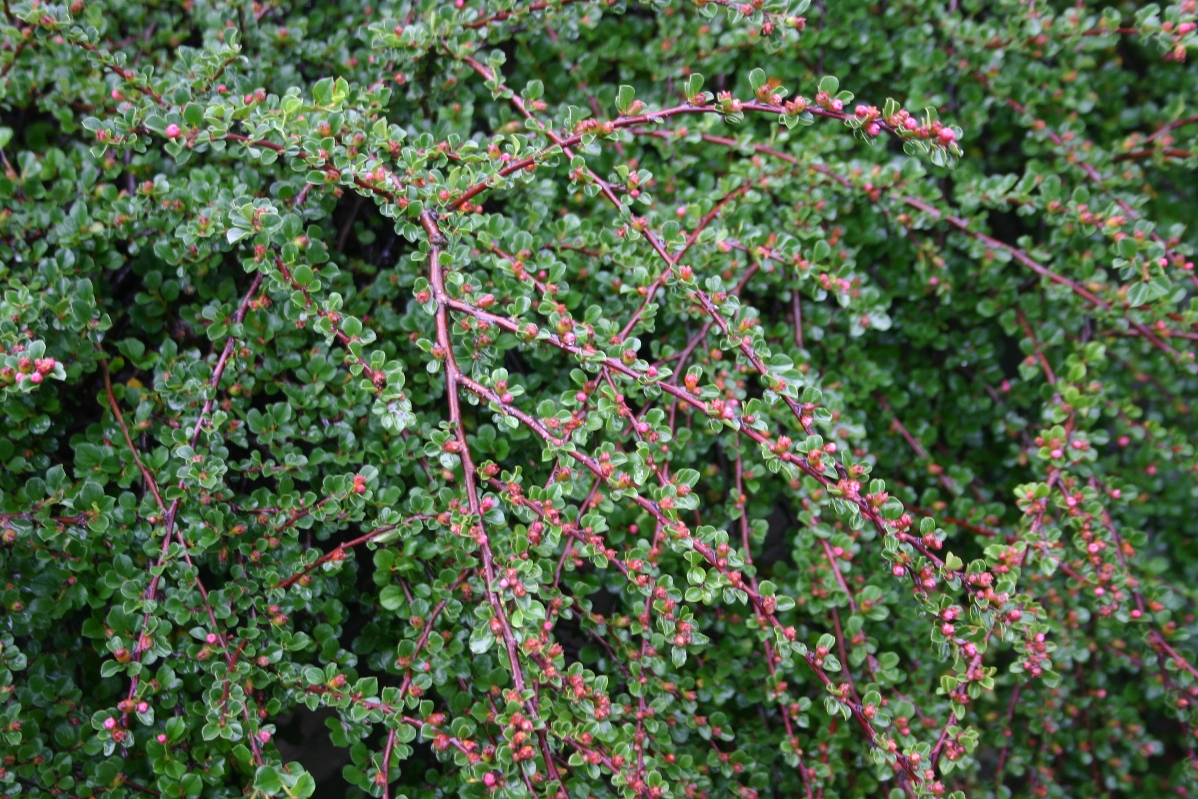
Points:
(595, 398)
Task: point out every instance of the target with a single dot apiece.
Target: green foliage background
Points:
(906, 506)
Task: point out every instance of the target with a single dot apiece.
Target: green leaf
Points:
(624, 99)
(303, 275)
(322, 92)
(266, 779)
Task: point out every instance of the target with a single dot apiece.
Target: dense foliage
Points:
(599, 398)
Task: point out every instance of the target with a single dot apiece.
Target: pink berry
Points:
(172, 131)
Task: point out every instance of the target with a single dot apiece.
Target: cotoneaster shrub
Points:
(599, 398)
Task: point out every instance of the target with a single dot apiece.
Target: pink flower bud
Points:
(172, 131)
(143, 707)
(110, 723)
(161, 738)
